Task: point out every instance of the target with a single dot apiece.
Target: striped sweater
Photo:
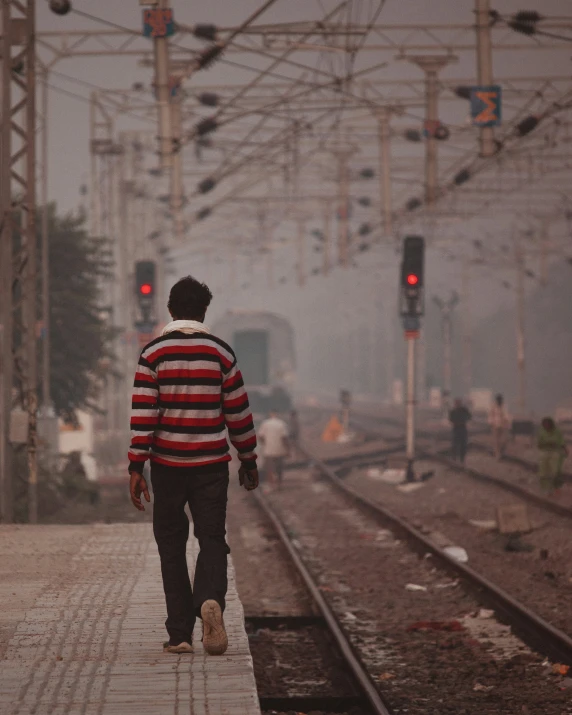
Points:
(188, 389)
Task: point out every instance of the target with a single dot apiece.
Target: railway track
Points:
(370, 695)
(535, 631)
(441, 457)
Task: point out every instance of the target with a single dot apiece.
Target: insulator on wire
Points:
(206, 185)
(525, 22)
(527, 125)
(206, 126)
(205, 32)
(463, 91)
(60, 7)
(209, 56)
(208, 99)
(365, 229)
(442, 133)
(462, 177)
(413, 204)
(204, 213)
(412, 135)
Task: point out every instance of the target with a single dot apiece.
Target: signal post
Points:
(412, 306)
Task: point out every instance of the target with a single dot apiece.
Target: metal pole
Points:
(30, 281)
(410, 404)
(385, 171)
(327, 238)
(520, 325)
(431, 66)
(431, 165)
(485, 66)
(447, 356)
(177, 170)
(95, 217)
(544, 247)
(163, 95)
(343, 218)
(6, 272)
(467, 328)
(270, 264)
(301, 252)
(46, 381)
(389, 345)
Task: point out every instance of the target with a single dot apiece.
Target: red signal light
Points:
(146, 289)
(412, 279)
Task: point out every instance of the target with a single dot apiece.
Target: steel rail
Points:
(522, 492)
(530, 627)
(349, 654)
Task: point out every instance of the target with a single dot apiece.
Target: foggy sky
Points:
(346, 296)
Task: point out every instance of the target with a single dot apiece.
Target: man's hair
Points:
(189, 299)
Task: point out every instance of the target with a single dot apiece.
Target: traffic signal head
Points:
(412, 276)
(145, 282)
(145, 290)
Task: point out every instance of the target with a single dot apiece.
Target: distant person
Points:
(500, 421)
(273, 434)
(188, 392)
(459, 416)
(295, 430)
(553, 450)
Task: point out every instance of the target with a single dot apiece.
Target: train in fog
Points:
(265, 348)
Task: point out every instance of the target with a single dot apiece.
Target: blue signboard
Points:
(486, 105)
(158, 23)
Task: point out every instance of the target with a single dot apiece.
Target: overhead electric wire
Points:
(276, 62)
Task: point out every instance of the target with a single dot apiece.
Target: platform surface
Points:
(85, 637)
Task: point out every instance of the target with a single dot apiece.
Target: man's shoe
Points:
(180, 649)
(215, 640)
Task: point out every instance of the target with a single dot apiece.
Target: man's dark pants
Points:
(206, 494)
(460, 443)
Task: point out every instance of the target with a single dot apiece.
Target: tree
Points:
(80, 335)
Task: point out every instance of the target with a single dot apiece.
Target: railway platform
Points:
(82, 630)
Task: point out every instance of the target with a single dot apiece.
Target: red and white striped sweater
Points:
(188, 389)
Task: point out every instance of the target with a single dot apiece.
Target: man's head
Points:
(499, 399)
(189, 299)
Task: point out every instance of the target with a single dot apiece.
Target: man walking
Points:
(188, 391)
(273, 435)
(458, 417)
(500, 421)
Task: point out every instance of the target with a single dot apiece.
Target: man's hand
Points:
(248, 478)
(138, 486)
